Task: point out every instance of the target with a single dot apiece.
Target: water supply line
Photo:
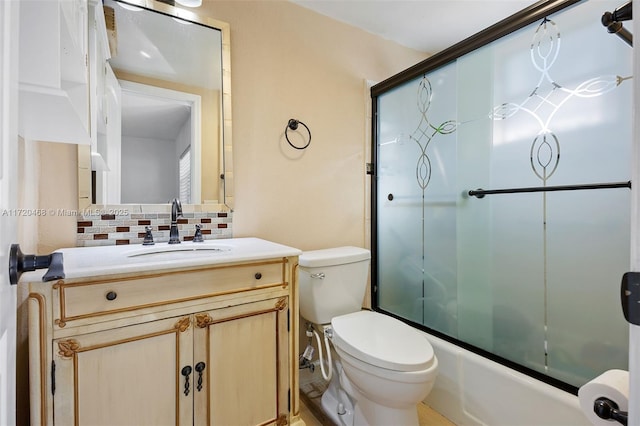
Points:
(327, 331)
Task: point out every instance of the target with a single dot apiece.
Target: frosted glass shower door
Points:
(417, 201)
(529, 275)
(562, 117)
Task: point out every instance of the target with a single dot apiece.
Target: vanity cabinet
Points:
(213, 345)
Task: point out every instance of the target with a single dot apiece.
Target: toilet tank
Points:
(332, 282)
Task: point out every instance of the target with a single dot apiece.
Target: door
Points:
(634, 330)
(245, 380)
(135, 375)
(8, 201)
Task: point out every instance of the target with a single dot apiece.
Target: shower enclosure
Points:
(500, 195)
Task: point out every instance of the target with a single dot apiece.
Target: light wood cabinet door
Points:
(225, 366)
(125, 376)
(245, 348)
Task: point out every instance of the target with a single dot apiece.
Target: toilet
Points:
(384, 367)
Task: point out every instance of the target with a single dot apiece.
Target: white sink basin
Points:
(183, 249)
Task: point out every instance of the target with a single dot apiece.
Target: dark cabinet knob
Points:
(258, 275)
(112, 295)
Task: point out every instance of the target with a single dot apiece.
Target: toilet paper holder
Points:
(609, 410)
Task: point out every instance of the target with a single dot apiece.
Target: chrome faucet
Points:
(176, 212)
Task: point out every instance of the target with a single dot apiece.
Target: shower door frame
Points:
(521, 19)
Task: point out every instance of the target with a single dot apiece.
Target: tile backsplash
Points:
(125, 224)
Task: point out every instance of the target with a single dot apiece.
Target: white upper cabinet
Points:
(99, 54)
(55, 84)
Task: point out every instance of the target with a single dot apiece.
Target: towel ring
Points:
(293, 125)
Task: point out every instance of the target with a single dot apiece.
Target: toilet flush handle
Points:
(318, 275)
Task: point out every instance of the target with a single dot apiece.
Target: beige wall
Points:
(59, 203)
(287, 62)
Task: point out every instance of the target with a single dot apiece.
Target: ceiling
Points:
(152, 117)
(152, 44)
(425, 25)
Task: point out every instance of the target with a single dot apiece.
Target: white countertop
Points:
(80, 262)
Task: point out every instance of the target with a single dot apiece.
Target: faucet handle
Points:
(148, 237)
(197, 237)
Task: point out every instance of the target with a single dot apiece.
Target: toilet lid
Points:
(333, 256)
(382, 341)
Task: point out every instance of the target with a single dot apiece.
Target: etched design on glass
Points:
(543, 103)
(545, 155)
(548, 96)
(425, 132)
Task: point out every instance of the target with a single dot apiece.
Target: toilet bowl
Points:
(388, 373)
(384, 367)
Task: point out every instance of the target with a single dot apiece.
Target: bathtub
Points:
(472, 390)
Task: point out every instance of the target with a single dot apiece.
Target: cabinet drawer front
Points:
(89, 299)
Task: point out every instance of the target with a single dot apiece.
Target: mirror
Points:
(164, 122)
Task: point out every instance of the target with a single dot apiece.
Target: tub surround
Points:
(471, 389)
(125, 224)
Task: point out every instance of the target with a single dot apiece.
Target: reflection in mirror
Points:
(160, 142)
(168, 67)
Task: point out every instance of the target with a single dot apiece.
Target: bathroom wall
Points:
(57, 195)
(152, 164)
(287, 62)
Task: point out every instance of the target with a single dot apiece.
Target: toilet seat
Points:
(382, 341)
